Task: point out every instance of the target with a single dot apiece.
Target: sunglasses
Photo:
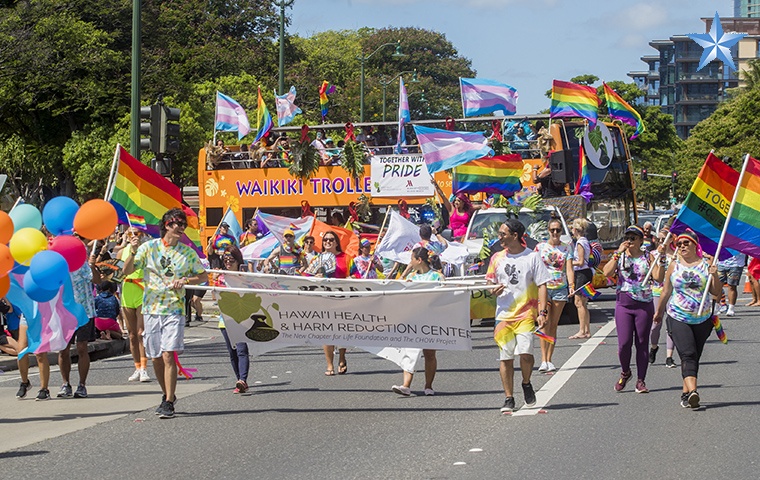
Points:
(309, 241)
(178, 224)
(289, 236)
(631, 238)
(228, 258)
(555, 230)
(325, 240)
(683, 243)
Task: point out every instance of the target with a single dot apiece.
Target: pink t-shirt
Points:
(458, 223)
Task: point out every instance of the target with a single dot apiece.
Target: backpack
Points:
(595, 258)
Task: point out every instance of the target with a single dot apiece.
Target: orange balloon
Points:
(6, 227)
(6, 259)
(5, 285)
(96, 219)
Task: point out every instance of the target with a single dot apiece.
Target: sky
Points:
(526, 43)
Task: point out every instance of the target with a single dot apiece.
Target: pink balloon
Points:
(71, 248)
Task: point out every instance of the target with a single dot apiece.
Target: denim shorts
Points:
(731, 275)
(558, 294)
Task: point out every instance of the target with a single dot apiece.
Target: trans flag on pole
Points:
(444, 149)
(230, 116)
(286, 108)
(481, 97)
(404, 116)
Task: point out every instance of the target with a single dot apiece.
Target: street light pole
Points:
(134, 127)
(362, 60)
(282, 4)
(385, 84)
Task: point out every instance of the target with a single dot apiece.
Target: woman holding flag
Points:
(685, 282)
(634, 307)
(582, 275)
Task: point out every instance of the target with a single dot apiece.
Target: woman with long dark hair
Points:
(232, 259)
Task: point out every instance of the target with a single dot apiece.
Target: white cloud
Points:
(640, 17)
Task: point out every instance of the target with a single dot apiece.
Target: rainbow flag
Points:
(141, 191)
(719, 329)
(545, 337)
(444, 149)
(500, 174)
(263, 119)
(583, 187)
(136, 221)
(743, 233)
(587, 291)
(619, 109)
(573, 100)
(325, 90)
(706, 206)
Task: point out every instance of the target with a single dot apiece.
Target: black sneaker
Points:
(670, 363)
(653, 354)
(693, 399)
(685, 400)
(198, 318)
(167, 411)
(23, 388)
(81, 392)
(160, 407)
(43, 394)
(530, 395)
(509, 405)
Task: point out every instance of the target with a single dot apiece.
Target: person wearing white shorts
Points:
(521, 277)
(168, 266)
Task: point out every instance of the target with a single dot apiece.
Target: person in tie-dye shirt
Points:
(634, 308)
(521, 301)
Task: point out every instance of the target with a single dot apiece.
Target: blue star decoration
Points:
(716, 44)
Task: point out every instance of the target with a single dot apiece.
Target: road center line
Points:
(562, 376)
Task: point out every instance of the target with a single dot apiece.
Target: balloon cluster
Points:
(47, 263)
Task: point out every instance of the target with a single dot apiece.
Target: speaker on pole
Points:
(558, 160)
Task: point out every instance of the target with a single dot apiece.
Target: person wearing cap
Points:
(367, 265)
(634, 308)
(287, 259)
(218, 244)
(686, 279)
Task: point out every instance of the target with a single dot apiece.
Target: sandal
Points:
(342, 368)
(330, 373)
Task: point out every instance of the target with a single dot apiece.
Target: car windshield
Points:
(535, 223)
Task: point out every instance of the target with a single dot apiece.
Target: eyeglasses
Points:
(228, 258)
(683, 243)
(631, 238)
(555, 230)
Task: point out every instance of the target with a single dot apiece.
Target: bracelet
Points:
(543, 313)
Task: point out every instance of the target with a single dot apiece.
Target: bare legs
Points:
(83, 362)
(134, 320)
(550, 328)
(166, 373)
(329, 356)
(507, 372)
(584, 317)
(431, 366)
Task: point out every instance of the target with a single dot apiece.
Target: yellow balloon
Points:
(25, 243)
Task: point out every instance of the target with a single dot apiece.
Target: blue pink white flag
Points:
(404, 116)
(230, 116)
(481, 96)
(286, 108)
(444, 149)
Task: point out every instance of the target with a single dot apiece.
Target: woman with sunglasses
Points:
(555, 256)
(232, 259)
(460, 211)
(425, 268)
(685, 282)
(633, 307)
(131, 307)
(580, 276)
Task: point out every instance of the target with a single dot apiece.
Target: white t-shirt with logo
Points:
(521, 275)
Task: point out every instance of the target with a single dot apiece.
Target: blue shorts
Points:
(730, 276)
(558, 294)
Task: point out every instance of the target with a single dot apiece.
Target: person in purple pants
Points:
(634, 309)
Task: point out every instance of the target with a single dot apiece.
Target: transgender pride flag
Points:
(276, 225)
(286, 107)
(230, 116)
(481, 97)
(444, 149)
(404, 116)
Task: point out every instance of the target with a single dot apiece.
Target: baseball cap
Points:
(224, 225)
(634, 229)
(288, 232)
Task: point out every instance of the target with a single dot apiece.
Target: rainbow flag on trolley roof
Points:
(324, 90)
(141, 191)
(743, 232)
(444, 149)
(706, 205)
(481, 96)
(500, 174)
(573, 100)
(619, 109)
(263, 119)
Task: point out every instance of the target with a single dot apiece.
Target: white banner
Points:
(400, 176)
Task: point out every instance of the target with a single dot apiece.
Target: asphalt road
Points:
(298, 423)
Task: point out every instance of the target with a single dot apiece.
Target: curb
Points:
(99, 349)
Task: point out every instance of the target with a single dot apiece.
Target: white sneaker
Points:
(135, 376)
(402, 390)
(722, 309)
(429, 392)
(730, 312)
(144, 376)
(550, 367)
(543, 367)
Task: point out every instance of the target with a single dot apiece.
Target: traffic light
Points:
(168, 135)
(150, 128)
(644, 176)
(674, 177)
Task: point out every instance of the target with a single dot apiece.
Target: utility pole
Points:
(134, 130)
(282, 4)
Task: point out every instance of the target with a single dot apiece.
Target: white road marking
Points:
(562, 376)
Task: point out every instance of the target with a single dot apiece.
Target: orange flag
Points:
(349, 242)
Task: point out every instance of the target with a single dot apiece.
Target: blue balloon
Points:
(58, 215)
(49, 269)
(35, 292)
(19, 268)
(25, 215)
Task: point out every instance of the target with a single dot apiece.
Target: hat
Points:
(635, 229)
(288, 232)
(328, 140)
(364, 243)
(224, 225)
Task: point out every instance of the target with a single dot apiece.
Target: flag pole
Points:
(211, 238)
(725, 229)
(656, 258)
(464, 114)
(216, 112)
(385, 220)
(112, 175)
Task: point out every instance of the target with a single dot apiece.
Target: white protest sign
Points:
(400, 176)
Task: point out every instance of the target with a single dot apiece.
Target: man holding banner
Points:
(521, 300)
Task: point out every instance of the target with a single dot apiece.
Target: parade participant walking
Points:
(521, 301)
(251, 233)
(367, 265)
(634, 308)
(168, 266)
(308, 251)
(82, 281)
(555, 256)
(425, 268)
(730, 271)
(580, 276)
(131, 307)
(287, 259)
(654, 336)
(685, 282)
(218, 243)
(232, 259)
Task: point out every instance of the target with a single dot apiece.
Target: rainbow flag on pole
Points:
(263, 119)
(544, 336)
(573, 100)
(583, 187)
(619, 109)
(706, 206)
(143, 192)
(499, 174)
(324, 90)
(743, 232)
(137, 221)
(444, 149)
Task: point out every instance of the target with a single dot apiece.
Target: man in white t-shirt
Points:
(521, 301)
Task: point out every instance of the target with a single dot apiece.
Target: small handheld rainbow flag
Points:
(719, 329)
(137, 221)
(545, 337)
(588, 291)
(293, 226)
